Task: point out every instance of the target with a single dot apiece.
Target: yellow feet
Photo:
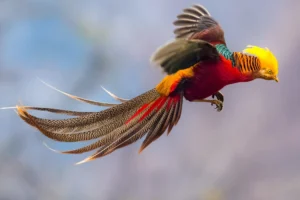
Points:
(218, 103)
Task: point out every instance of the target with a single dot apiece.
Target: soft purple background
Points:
(249, 151)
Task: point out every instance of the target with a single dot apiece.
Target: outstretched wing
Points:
(196, 23)
(181, 54)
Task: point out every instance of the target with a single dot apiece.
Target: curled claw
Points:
(219, 96)
(219, 105)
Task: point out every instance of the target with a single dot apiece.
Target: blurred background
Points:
(249, 151)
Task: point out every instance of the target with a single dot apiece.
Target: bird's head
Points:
(268, 62)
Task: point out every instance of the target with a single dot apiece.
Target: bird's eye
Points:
(269, 71)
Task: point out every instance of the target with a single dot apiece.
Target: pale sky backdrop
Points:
(249, 151)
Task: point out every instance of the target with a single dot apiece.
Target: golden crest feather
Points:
(266, 57)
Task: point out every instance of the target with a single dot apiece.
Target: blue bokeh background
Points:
(249, 151)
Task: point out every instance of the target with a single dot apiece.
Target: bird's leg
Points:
(219, 96)
(218, 103)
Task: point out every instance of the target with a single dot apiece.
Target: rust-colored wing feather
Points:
(197, 23)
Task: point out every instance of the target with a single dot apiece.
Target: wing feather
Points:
(182, 54)
(197, 23)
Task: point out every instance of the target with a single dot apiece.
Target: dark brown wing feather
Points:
(196, 23)
(182, 54)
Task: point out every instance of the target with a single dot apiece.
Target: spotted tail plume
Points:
(149, 114)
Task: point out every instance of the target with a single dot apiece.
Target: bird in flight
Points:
(197, 63)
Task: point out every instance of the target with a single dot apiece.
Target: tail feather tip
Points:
(8, 108)
(21, 111)
(84, 161)
(141, 149)
(54, 150)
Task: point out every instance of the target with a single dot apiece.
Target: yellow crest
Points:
(266, 57)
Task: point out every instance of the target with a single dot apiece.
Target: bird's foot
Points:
(219, 96)
(218, 103)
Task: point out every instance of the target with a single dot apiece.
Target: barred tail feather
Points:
(149, 114)
(95, 120)
(96, 103)
(52, 110)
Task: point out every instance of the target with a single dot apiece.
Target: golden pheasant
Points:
(198, 65)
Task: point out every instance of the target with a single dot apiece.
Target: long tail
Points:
(96, 103)
(115, 127)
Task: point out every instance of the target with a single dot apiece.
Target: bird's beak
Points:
(276, 79)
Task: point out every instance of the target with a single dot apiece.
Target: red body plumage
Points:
(212, 78)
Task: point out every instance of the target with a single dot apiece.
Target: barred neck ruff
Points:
(230, 74)
(246, 63)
